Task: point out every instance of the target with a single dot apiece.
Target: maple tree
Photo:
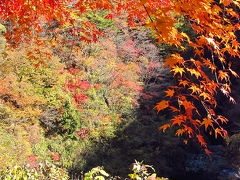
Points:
(199, 77)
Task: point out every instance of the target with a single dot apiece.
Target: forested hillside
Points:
(140, 89)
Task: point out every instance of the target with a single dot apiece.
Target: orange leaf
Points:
(223, 75)
(208, 63)
(164, 127)
(222, 119)
(234, 73)
(207, 122)
(207, 151)
(173, 60)
(187, 105)
(195, 122)
(169, 92)
(180, 132)
(201, 140)
(183, 82)
(218, 131)
(226, 2)
(189, 130)
(178, 119)
(162, 105)
(174, 109)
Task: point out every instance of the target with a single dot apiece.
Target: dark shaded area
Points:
(142, 141)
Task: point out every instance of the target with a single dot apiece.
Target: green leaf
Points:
(99, 178)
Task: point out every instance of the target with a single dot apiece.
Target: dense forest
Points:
(111, 89)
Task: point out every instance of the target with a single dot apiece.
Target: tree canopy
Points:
(202, 73)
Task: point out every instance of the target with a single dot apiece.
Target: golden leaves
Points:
(178, 70)
(186, 36)
(194, 72)
(205, 96)
(195, 89)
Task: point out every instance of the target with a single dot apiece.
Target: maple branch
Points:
(155, 27)
(215, 73)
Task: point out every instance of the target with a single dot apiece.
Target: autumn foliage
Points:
(199, 76)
